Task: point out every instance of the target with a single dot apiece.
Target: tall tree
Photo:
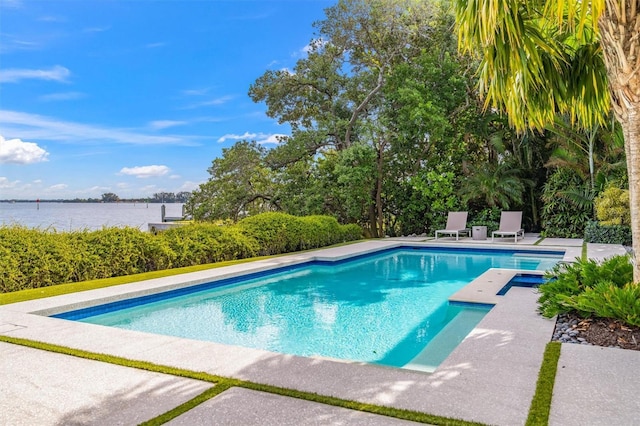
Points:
(240, 184)
(543, 57)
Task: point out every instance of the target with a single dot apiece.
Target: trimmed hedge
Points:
(34, 258)
(594, 232)
(284, 233)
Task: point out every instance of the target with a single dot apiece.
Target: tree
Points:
(544, 57)
(110, 197)
(240, 185)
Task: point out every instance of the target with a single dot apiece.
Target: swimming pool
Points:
(389, 308)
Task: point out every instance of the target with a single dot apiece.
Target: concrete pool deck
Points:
(490, 377)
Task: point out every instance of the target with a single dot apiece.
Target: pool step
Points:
(446, 341)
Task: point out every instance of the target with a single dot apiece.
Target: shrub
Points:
(595, 232)
(612, 207)
(567, 205)
(591, 288)
(283, 233)
(489, 217)
(607, 300)
(32, 258)
(201, 243)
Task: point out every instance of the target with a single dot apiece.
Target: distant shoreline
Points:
(92, 201)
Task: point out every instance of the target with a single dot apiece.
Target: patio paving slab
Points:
(596, 386)
(46, 388)
(238, 406)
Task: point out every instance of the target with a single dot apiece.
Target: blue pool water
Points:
(390, 308)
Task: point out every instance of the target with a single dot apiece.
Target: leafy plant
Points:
(612, 206)
(587, 287)
(568, 205)
(595, 232)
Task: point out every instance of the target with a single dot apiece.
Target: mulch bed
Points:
(607, 332)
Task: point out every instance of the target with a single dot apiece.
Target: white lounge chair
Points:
(456, 225)
(510, 224)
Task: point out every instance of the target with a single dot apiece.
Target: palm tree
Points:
(544, 57)
(494, 185)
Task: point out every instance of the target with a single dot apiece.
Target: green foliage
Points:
(567, 205)
(590, 288)
(489, 217)
(608, 300)
(241, 184)
(612, 206)
(436, 189)
(32, 258)
(494, 185)
(595, 232)
(283, 233)
(202, 243)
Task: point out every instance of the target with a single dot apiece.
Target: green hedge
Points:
(34, 258)
(607, 234)
(284, 233)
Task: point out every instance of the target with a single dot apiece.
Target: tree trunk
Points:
(379, 209)
(631, 131)
(620, 29)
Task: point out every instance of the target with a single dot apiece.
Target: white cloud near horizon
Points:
(15, 151)
(38, 127)
(13, 75)
(7, 184)
(58, 187)
(144, 172)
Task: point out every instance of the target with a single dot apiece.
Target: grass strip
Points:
(541, 403)
(584, 250)
(539, 241)
(223, 383)
(183, 408)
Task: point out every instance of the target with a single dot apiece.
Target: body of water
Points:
(84, 216)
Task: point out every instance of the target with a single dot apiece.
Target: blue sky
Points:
(136, 97)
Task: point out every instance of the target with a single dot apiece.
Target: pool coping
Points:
(466, 372)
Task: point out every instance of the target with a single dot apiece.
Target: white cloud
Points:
(11, 3)
(58, 187)
(64, 96)
(272, 139)
(14, 75)
(175, 177)
(7, 184)
(155, 45)
(95, 29)
(235, 137)
(163, 124)
(145, 171)
(314, 45)
(32, 126)
(216, 101)
(15, 151)
(188, 186)
(195, 92)
(261, 138)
